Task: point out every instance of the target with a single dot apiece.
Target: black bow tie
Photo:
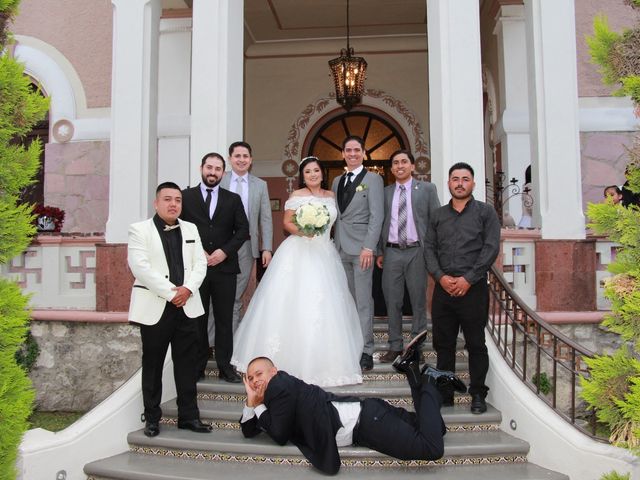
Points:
(168, 228)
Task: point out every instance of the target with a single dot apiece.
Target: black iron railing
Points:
(546, 360)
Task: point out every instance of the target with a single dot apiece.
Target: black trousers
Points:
(401, 434)
(220, 289)
(179, 331)
(469, 313)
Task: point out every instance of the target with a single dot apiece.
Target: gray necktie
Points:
(240, 191)
(402, 217)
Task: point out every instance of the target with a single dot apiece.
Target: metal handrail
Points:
(540, 354)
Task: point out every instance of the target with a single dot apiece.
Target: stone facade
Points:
(77, 181)
(80, 363)
(592, 336)
(604, 158)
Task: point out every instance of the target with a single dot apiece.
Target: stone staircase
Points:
(475, 446)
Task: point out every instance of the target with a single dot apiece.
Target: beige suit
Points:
(147, 261)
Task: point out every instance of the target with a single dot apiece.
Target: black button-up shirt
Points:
(463, 244)
(172, 244)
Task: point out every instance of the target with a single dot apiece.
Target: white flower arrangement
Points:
(312, 218)
(361, 187)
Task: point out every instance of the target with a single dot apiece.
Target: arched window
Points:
(381, 135)
(34, 193)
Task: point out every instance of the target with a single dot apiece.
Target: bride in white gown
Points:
(302, 315)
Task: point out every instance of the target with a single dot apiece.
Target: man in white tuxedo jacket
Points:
(359, 195)
(255, 199)
(166, 258)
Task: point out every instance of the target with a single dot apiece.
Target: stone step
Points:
(225, 414)
(396, 392)
(131, 466)
(381, 371)
(229, 445)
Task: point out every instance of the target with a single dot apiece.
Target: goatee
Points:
(209, 184)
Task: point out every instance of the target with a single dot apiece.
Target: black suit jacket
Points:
(302, 414)
(227, 230)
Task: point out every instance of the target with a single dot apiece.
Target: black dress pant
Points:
(469, 313)
(219, 288)
(179, 331)
(401, 434)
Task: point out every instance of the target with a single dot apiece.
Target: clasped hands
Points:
(181, 296)
(455, 286)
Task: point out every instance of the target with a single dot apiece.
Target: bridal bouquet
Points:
(312, 218)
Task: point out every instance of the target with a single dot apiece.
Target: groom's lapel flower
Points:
(361, 187)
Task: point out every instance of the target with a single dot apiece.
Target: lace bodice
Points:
(295, 202)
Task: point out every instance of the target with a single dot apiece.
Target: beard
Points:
(211, 181)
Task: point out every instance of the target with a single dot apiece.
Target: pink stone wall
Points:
(77, 180)
(603, 159)
(620, 16)
(82, 31)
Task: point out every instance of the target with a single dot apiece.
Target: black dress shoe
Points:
(410, 367)
(151, 429)
(195, 425)
(444, 379)
(478, 405)
(413, 349)
(228, 374)
(366, 362)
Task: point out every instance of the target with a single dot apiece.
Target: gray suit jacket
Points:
(424, 201)
(360, 224)
(260, 222)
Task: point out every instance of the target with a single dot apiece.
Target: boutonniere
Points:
(415, 187)
(361, 187)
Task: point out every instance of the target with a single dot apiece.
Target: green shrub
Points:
(613, 475)
(20, 109)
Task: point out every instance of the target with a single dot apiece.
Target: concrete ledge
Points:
(573, 317)
(88, 316)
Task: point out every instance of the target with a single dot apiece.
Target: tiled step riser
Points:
(298, 460)
(373, 375)
(397, 401)
(234, 425)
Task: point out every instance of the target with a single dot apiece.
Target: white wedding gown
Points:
(302, 315)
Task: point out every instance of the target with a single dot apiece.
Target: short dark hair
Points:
(306, 161)
(353, 137)
(461, 166)
(164, 185)
(214, 155)
(406, 152)
(618, 191)
(267, 359)
(233, 146)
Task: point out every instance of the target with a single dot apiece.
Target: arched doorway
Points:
(34, 193)
(381, 134)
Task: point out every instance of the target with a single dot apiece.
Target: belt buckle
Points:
(402, 247)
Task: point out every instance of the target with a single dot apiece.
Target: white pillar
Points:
(455, 90)
(134, 93)
(554, 117)
(513, 124)
(216, 78)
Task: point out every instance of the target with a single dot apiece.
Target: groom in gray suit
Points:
(255, 199)
(357, 231)
(408, 205)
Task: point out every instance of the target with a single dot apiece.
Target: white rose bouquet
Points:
(312, 218)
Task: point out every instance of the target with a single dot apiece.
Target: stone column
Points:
(134, 93)
(133, 146)
(513, 123)
(553, 104)
(455, 90)
(216, 78)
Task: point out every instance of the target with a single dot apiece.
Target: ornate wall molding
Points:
(378, 99)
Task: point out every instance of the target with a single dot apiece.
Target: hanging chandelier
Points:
(348, 74)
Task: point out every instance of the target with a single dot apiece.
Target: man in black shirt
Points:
(461, 245)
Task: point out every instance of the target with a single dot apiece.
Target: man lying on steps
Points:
(318, 422)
